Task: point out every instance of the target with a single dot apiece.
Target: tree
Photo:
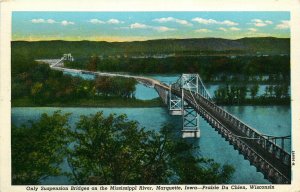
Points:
(36, 91)
(221, 94)
(39, 148)
(114, 150)
(278, 91)
(266, 91)
(103, 85)
(111, 150)
(93, 63)
(242, 93)
(285, 90)
(254, 90)
(271, 90)
(116, 86)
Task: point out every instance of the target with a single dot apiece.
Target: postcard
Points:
(149, 96)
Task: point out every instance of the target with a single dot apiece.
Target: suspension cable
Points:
(229, 132)
(277, 137)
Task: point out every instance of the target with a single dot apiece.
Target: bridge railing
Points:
(250, 132)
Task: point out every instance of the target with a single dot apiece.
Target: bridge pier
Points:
(190, 122)
(191, 133)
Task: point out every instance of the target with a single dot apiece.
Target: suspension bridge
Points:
(189, 98)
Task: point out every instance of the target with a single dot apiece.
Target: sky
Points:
(139, 26)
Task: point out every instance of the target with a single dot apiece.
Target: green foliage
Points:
(116, 86)
(21, 61)
(45, 86)
(231, 94)
(107, 150)
(254, 90)
(234, 94)
(39, 148)
(277, 91)
(114, 150)
(93, 63)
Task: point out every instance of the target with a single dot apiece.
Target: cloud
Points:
(65, 23)
(202, 30)
(139, 26)
(228, 23)
(257, 20)
(261, 23)
(52, 21)
(96, 21)
(229, 29)
(234, 29)
(110, 21)
(212, 21)
(204, 21)
(268, 22)
(156, 28)
(172, 19)
(284, 24)
(222, 29)
(163, 29)
(252, 29)
(114, 21)
(38, 21)
(49, 21)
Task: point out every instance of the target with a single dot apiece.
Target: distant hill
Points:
(200, 46)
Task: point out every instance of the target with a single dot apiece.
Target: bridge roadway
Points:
(144, 80)
(267, 157)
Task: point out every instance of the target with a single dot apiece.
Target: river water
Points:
(272, 120)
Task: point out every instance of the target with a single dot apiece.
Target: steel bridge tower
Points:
(67, 57)
(192, 84)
